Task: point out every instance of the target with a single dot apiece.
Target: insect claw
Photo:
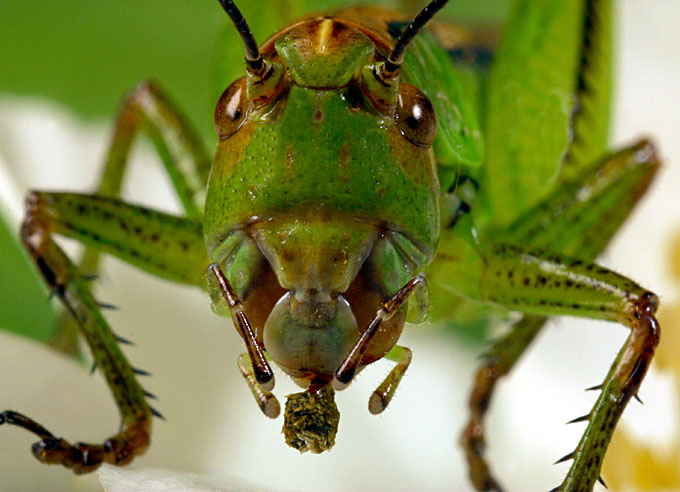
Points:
(123, 340)
(93, 368)
(564, 458)
(556, 489)
(638, 399)
(140, 372)
(582, 418)
(149, 394)
(156, 413)
(599, 479)
(594, 388)
(90, 277)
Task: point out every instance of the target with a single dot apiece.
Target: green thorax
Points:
(322, 153)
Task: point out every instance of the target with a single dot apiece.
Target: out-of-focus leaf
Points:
(26, 309)
(87, 54)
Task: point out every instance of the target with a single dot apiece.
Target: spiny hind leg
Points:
(133, 438)
(547, 285)
(120, 449)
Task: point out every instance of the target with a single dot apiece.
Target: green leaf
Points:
(26, 309)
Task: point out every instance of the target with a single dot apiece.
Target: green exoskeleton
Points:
(366, 169)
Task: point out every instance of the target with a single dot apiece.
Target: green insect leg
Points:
(548, 284)
(578, 219)
(498, 361)
(168, 246)
(146, 109)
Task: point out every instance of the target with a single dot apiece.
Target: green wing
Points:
(529, 104)
(591, 115)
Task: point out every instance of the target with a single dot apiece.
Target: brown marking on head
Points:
(323, 53)
(230, 151)
(322, 35)
(345, 153)
(416, 162)
(287, 254)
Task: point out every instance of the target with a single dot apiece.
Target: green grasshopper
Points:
(333, 200)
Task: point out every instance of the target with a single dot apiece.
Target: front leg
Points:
(133, 439)
(168, 246)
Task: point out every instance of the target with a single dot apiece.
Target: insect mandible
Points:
(314, 252)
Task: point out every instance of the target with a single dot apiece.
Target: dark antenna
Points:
(396, 58)
(253, 57)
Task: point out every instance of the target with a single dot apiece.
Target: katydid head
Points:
(322, 204)
(327, 53)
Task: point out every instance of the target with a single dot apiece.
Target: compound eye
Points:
(231, 109)
(415, 118)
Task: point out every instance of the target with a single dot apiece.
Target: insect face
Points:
(320, 150)
(296, 144)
